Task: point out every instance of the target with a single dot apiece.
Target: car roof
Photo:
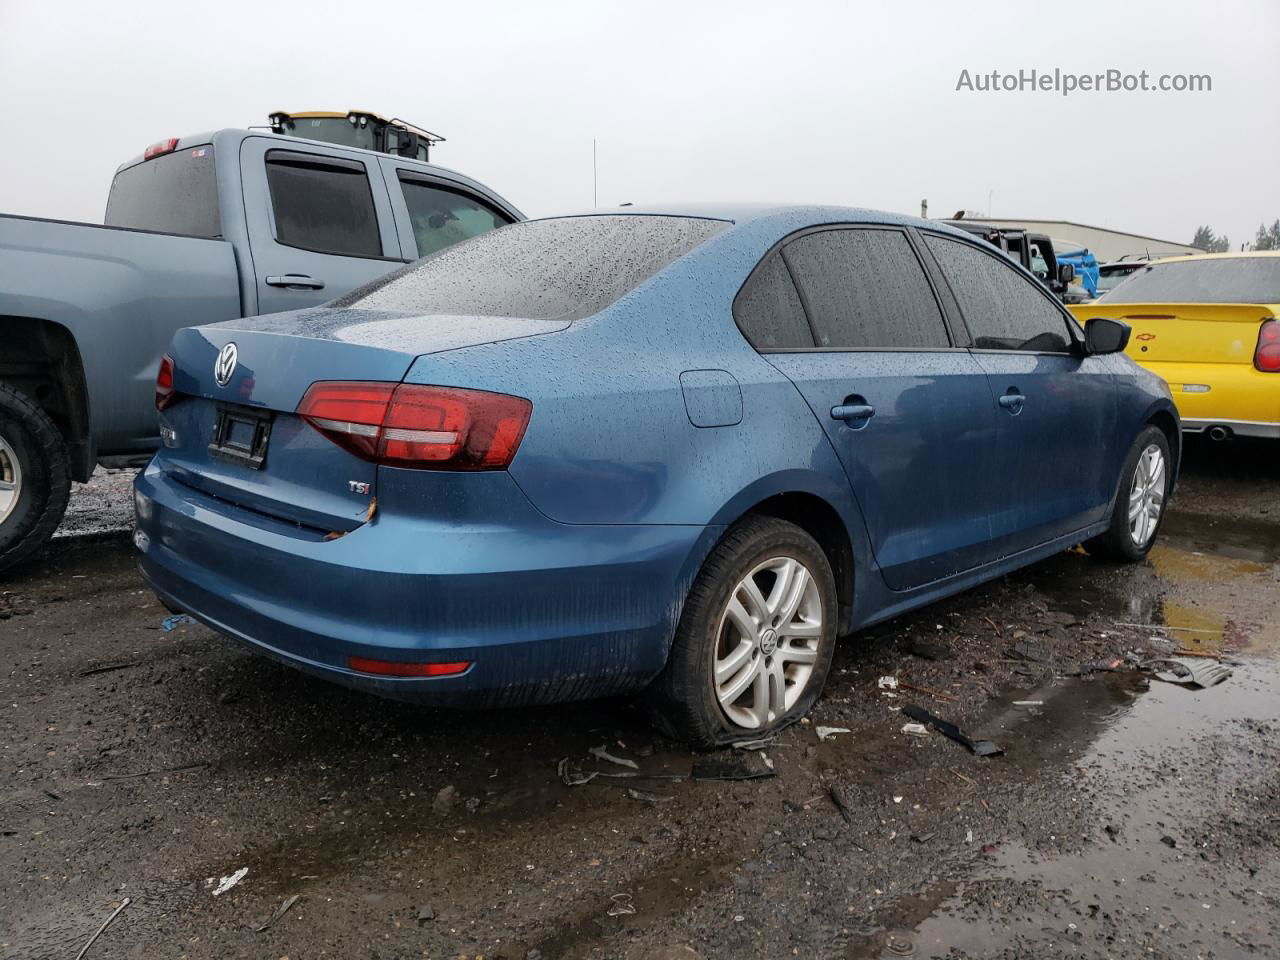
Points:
(746, 212)
(1243, 254)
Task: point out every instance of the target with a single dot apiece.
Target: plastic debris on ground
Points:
(282, 910)
(981, 748)
(915, 729)
(1191, 672)
(227, 882)
(177, 620)
(573, 775)
(622, 905)
(648, 797)
(602, 754)
(887, 683)
(827, 732)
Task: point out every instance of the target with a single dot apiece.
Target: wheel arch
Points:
(42, 359)
(823, 509)
(1168, 424)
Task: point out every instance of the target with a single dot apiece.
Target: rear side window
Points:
(1002, 308)
(565, 268)
(768, 309)
(866, 289)
(441, 218)
(173, 193)
(323, 205)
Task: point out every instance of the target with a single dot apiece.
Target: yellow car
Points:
(1208, 325)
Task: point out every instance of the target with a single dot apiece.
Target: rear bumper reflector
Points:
(392, 668)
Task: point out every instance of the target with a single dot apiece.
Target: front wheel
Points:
(755, 639)
(1140, 503)
(35, 477)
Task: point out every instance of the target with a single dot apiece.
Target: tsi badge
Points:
(225, 365)
(358, 486)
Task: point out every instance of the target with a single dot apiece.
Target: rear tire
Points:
(754, 644)
(1140, 502)
(35, 477)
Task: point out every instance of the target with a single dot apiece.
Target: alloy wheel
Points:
(1146, 495)
(10, 480)
(767, 642)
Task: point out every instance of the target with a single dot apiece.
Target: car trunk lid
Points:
(1186, 332)
(233, 431)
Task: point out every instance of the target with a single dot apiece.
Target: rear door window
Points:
(1003, 309)
(768, 309)
(866, 290)
(323, 204)
(173, 193)
(441, 217)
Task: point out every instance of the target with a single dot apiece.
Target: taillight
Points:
(160, 148)
(1267, 357)
(410, 425)
(164, 383)
(395, 668)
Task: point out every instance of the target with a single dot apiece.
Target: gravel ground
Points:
(1126, 817)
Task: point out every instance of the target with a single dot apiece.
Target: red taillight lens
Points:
(392, 668)
(160, 148)
(410, 425)
(164, 383)
(1267, 357)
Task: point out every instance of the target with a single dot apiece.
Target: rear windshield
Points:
(566, 268)
(173, 193)
(1228, 280)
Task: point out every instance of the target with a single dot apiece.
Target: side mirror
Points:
(1104, 335)
(1066, 273)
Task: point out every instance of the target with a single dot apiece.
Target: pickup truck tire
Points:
(35, 471)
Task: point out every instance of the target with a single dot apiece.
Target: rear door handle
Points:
(296, 281)
(853, 412)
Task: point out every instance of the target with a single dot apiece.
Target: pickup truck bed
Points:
(199, 229)
(114, 287)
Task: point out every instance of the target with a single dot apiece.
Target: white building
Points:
(1106, 245)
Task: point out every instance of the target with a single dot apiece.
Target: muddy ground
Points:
(1126, 818)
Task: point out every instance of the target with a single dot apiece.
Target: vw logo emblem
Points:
(225, 365)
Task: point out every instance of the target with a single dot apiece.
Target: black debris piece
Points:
(731, 768)
(981, 748)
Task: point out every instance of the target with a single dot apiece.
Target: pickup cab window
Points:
(323, 204)
(174, 193)
(441, 217)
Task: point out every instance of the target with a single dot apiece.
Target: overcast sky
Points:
(784, 101)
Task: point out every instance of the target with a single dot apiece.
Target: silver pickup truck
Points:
(199, 229)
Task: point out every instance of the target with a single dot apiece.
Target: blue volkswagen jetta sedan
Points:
(677, 450)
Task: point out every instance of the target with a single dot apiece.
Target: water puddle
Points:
(1166, 856)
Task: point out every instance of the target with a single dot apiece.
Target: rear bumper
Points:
(1239, 428)
(1236, 396)
(543, 611)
